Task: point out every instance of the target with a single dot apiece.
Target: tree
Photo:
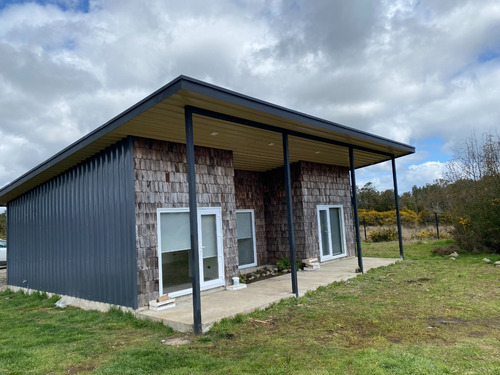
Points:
(475, 192)
(371, 199)
(476, 159)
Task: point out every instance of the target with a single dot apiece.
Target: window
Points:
(331, 232)
(174, 250)
(245, 229)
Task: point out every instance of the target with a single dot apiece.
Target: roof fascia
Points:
(148, 102)
(220, 93)
(203, 88)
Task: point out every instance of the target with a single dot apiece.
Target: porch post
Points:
(398, 216)
(355, 209)
(291, 233)
(193, 221)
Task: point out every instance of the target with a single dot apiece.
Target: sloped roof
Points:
(161, 116)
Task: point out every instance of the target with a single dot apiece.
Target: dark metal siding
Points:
(75, 234)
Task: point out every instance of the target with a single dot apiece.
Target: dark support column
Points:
(291, 233)
(398, 215)
(437, 224)
(355, 209)
(193, 221)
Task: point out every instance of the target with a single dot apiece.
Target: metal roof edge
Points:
(141, 106)
(190, 84)
(234, 97)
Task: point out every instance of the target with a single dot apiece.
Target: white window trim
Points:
(217, 211)
(252, 212)
(322, 257)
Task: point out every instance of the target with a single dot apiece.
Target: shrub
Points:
(376, 218)
(384, 235)
(424, 235)
(284, 264)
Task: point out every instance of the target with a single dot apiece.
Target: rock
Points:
(453, 254)
(62, 303)
(486, 260)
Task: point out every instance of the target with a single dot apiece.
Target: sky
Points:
(426, 73)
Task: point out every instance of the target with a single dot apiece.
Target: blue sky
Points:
(424, 72)
(64, 5)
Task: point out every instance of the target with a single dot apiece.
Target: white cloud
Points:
(407, 70)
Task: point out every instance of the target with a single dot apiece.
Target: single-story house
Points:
(183, 190)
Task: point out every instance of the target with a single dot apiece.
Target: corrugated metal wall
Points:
(75, 234)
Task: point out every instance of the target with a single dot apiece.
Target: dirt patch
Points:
(418, 281)
(177, 341)
(82, 367)
(477, 334)
(445, 250)
(435, 322)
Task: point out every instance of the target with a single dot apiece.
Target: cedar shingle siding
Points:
(161, 182)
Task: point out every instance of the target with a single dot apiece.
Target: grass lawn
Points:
(425, 315)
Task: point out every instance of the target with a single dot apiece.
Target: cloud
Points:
(407, 70)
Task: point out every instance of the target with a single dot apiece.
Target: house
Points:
(114, 217)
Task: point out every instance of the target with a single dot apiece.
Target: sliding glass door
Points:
(331, 232)
(174, 250)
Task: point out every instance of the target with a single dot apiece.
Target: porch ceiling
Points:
(161, 116)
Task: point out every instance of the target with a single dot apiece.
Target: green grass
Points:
(425, 315)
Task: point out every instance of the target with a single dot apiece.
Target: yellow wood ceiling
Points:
(161, 116)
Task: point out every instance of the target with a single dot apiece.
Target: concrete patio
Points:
(226, 303)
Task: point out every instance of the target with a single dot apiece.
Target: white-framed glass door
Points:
(331, 232)
(174, 250)
(245, 230)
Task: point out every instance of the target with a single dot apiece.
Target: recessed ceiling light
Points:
(270, 144)
(213, 134)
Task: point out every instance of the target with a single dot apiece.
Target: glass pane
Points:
(335, 231)
(176, 270)
(245, 251)
(209, 235)
(323, 223)
(244, 224)
(175, 231)
(209, 246)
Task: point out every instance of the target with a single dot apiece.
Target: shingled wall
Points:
(249, 191)
(312, 184)
(323, 184)
(161, 182)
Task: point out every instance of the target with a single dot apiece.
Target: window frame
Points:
(330, 256)
(252, 213)
(204, 285)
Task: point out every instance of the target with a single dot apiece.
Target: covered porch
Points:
(220, 304)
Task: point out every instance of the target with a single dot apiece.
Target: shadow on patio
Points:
(258, 295)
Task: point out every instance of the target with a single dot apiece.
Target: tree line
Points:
(468, 198)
